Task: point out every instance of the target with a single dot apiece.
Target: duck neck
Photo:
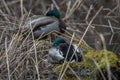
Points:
(62, 26)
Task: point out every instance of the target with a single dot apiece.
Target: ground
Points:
(97, 22)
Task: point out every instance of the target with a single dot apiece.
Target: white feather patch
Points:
(55, 54)
(76, 47)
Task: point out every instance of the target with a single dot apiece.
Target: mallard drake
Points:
(59, 51)
(44, 24)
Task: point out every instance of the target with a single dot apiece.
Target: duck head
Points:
(54, 13)
(58, 41)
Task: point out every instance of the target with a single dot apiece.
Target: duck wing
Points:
(69, 52)
(41, 25)
(39, 22)
(44, 30)
(55, 55)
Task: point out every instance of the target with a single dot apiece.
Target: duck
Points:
(61, 50)
(44, 24)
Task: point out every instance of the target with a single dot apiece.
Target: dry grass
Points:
(26, 59)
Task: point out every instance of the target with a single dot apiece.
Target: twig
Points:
(7, 59)
(21, 6)
(11, 3)
(63, 72)
(111, 31)
(98, 67)
(90, 24)
(55, 4)
(89, 11)
(78, 78)
(6, 7)
(106, 57)
(74, 7)
(36, 59)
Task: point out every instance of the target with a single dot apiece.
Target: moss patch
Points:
(102, 58)
(92, 63)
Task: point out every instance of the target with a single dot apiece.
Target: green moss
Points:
(74, 78)
(102, 58)
(69, 75)
(88, 78)
(74, 65)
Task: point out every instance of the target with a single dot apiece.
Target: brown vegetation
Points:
(26, 58)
